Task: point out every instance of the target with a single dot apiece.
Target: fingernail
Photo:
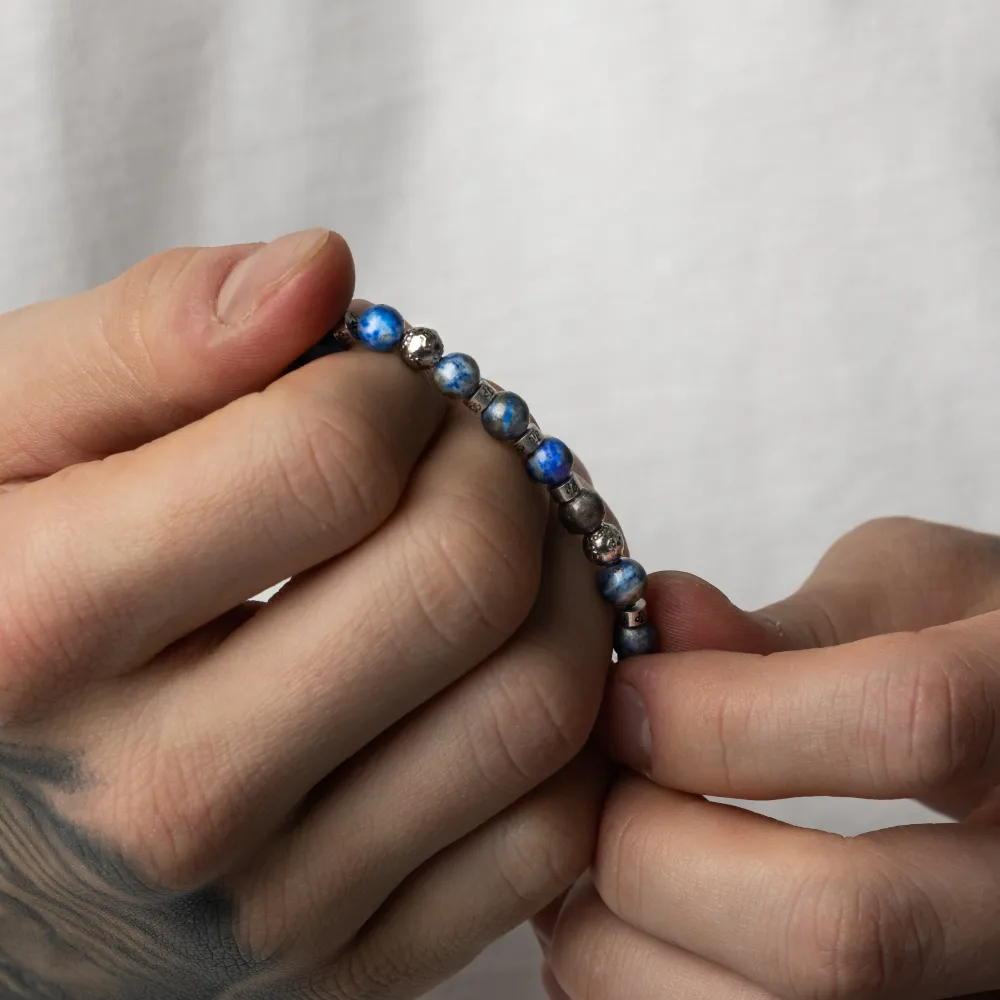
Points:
(257, 277)
(627, 729)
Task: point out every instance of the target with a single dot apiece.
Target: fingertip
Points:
(690, 613)
(289, 314)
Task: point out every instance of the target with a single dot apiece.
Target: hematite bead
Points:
(583, 514)
(528, 444)
(633, 615)
(457, 375)
(351, 323)
(481, 398)
(604, 546)
(422, 347)
(381, 328)
(638, 641)
(506, 416)
(623, 583)
(566, 491)
(552, 462)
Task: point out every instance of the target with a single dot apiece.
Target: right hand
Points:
(344, 793)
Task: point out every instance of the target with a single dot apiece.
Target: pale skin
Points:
(345, 793)
(879, 679)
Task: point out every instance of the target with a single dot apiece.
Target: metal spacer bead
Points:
(481, 398)
(343, 336)
(635, 615)
(351, 324)
(568, 490)
(528, 444)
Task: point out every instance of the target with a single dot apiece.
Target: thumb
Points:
(176, 337)
(895, 574)
(889, 575)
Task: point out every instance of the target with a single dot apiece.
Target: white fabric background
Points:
(744, 254)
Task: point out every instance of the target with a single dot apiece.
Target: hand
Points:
(346, 792)
(883, 682)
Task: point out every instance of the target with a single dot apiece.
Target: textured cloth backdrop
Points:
(744, 255)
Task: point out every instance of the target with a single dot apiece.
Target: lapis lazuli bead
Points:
(637, 641)
(623, 583)
(457, 375)
(381, 328)
(506, 417)
(551, 463)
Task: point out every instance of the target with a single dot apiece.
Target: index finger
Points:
(892, 716)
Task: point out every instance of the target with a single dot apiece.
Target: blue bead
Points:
(623, 583)
(506, 418)
(638, 641)
(457, 375)
(552, 462)
(380, 328)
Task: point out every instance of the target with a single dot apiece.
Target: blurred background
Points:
(742, 254)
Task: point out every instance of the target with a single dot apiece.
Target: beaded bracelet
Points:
(506, 417)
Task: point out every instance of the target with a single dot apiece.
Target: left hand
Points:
(697, 900)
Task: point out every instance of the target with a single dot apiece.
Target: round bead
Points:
(604, 546)
(381, 328)
(457, 375)
(506, 418)
(351, 323)
(623, 583)
(422, 347)
(638, 641)
(583, 514)
(552, 462)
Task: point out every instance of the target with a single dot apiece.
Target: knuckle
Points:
(336, 466)
(176, 813)
(592, 952)
(137, 306)
(482, 560)
(538, 720)
(854, 932)
(541, 855)
(597, 965)
(625, 849)
(939, 721)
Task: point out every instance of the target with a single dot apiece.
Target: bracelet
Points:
(505, 416)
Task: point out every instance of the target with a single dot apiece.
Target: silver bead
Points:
(528, 445)
(605, 546)
(584, 513)
(481, 398)
(568, 490)
(422, 347)
(634, 615)
(343, 336)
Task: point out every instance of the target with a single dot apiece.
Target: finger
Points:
(890, 575)
(336, 658)
(894, 716)
(476, 891)
(907, 912)
(486, 741)
(267, 487)
(176, 337)
(596, 954)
